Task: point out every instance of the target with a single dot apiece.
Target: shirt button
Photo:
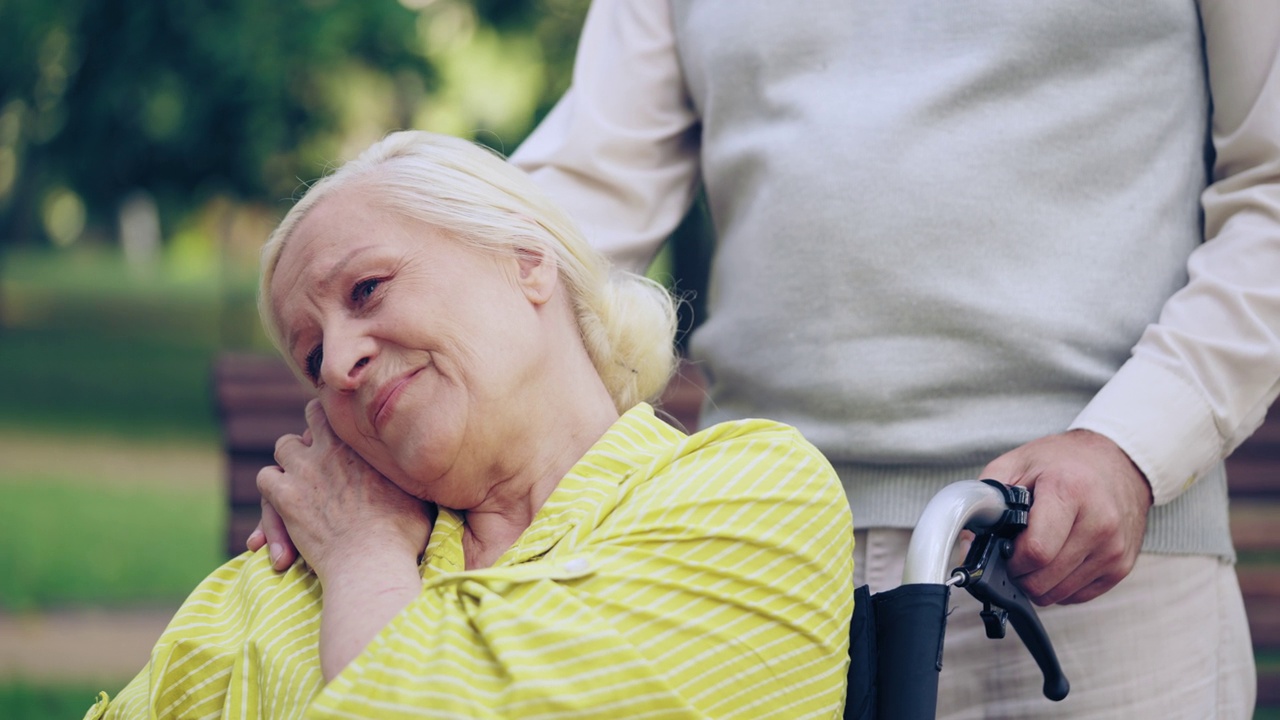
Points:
(576, 565)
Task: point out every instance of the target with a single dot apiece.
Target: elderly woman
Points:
(493, 522)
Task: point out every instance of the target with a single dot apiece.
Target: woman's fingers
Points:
(317, 423)
(287, 447)
(256, 539)
(271, 528)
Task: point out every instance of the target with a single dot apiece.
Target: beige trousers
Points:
(1171, 641)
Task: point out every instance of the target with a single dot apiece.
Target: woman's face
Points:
(419, 347)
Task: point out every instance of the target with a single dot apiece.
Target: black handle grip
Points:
(991, 584)
(986, 578)
(1027, 624)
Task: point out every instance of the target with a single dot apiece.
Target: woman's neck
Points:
(557, 441)
(482, 546)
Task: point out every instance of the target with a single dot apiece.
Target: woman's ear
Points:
(536, 273)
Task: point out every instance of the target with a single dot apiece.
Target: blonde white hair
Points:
(627, 322)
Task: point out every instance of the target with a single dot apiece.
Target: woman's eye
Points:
(312, 363)
(364, 289)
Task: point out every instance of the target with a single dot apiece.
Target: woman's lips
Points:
(384, 402)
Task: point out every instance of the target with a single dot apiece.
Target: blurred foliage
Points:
(201, 99)
(101, 347)
(208, 115)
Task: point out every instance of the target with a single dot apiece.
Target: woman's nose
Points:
(346, 358)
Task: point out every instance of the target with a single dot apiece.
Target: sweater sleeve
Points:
(683, 604)
(619, 151)
(1200, 380)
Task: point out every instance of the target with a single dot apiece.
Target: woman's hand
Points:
(334, 507)
(271, 530)
(361, 534)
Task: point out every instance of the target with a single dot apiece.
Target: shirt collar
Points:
(589, 491)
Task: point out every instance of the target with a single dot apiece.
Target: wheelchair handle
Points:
(995, 513)
(970, 504)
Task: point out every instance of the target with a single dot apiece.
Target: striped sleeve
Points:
(720, 587)
(244, 644)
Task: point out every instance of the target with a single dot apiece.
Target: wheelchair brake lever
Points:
(986, 578)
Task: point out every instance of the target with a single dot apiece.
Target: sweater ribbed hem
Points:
(1195, 523)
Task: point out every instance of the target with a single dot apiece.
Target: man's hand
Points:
(1087, 520)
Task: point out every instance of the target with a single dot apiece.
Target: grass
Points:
(110, 470)
(96, 521)
(75, 541)
(23, 701)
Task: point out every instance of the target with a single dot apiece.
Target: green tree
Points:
(181, 99)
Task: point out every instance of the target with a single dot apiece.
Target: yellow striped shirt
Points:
(666, 577)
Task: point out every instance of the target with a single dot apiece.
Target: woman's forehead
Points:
(319, 234)
(335, 227)
(333, 233)
(341, 231)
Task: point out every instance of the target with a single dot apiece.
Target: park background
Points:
(147, 148)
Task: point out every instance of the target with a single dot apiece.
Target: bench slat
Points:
(249, 398)
(1268, 687)
(242, 476)
(1267, 437)
(1253, 476)
(1260, 585)
(1255, 526)
(240, 522)
(230, 366)
(258, 433)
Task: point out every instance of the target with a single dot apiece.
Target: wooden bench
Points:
(259, 400)
(1253, 477)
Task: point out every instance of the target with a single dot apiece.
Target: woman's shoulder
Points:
(756, 455)
(752, 437)
(248, 593)
(746, 471)
(752, 429)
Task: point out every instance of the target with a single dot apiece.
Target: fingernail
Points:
(254, 537)
(275, 552)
